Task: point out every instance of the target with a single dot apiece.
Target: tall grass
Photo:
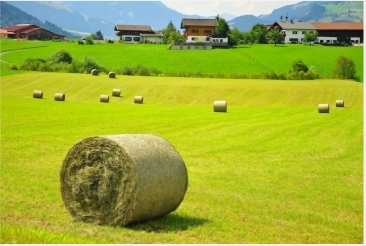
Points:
(249, 60)
(270, 170)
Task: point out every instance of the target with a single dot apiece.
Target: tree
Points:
(89, 39)
(97, 36)
(235, 36)
(310, 37)
(299, 65)
(345, 68)
(222, 27)
(260, 32)
(275, 36)
(169, 30)
(175, 38)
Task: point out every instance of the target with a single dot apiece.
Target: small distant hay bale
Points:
(104, 98)
(220, 106)
(112, 75)
(123, 179)
(139, 99)
(116, 92)
(59, 97)
(323, 108)
(95, 72)
(37, 94)
(340, 103)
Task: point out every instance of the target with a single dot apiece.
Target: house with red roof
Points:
(30, 32)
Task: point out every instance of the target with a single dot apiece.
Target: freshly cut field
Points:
(248, 59)
(270, 170)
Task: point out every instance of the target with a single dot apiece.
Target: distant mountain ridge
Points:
(10, 15)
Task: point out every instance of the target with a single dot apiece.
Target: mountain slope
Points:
(10, 15)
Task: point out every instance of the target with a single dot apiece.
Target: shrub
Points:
(13, 67)
(299, 65)
(61, 56)
(31, 64)
(89, 64)
(89, 40)
(45, 67)
(345, 68)
(76, 67)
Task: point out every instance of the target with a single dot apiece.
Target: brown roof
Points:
(137, 28)
(19, 27)
(198, 22)
(338, 26)
(4, 31)
(156, 34)
(32, 30)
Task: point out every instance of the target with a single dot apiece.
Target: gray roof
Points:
(146, 28)
(288, 25)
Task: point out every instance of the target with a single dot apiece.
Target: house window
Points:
(207, 31)
(136, 39)
(194, 30)
(193, 38)
(221, 40)
(303, 32)
(294, 32)
(128, 39)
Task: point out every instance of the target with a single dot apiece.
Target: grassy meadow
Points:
(247, 59)
(270, 170)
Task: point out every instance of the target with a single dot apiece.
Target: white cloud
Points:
(210, 8)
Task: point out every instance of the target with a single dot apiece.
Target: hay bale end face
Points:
(94, 72)
(139, 99)
(323, 108)
(37, 94)
(123, 179)
(340, 103)
(112, 75)
(60, 97)
(104, 98)
(220, 106)
(116, 92)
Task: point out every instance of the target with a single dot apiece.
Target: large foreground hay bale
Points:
(139, 99)
(104, 98)
(59, 97)
(94, 72)
(340, 103)
(112, 75)
(220, 106)
(116, 92)
(37, 94)
(323, 108)
(122, 179)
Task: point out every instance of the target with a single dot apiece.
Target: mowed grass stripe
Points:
(270, 170)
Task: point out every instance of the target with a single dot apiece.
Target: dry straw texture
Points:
(220, 106)
(139, 99)
(37, 94)
(116, 92)
(122, 179)
(94, 72)
(323, 108)
(59, 97)
(340, 103)
(104, 98)
(112, 75)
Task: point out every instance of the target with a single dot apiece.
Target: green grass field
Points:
(249, 59)
(270, 170)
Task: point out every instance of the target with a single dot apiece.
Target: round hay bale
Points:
(37, 94)
(112, 75)
(220, 106)
(139, 99)
(323, 108)
(340, 103)
(59, 97)
(122, 179)
(104, 98)
(94, 72)
(116, 92)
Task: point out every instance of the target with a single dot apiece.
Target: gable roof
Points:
(338, 26)
(136, 28)
(19, 27)
(295, 25)
(198, 22)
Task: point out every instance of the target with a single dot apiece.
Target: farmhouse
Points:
(4, 33)
(138, 34)
(31, 32)
(327, 32)
(203, 31)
